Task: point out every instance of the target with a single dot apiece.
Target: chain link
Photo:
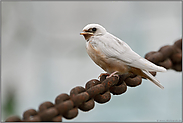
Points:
(169, 56)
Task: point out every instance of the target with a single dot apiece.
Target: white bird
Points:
(114, 56)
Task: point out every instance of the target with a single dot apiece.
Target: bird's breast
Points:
(110, 65)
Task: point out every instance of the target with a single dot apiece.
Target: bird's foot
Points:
(103, 74)
(113, 74)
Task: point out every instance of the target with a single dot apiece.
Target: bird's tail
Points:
(152, 78)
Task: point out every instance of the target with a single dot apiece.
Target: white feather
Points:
(113, 47)
(153, 79)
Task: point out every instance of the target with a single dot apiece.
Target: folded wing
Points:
(121, 51)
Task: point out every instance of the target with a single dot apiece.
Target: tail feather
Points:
(153, 79)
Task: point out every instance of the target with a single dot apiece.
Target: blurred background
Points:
(43, 55)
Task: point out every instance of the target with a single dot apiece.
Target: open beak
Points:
(86, 33)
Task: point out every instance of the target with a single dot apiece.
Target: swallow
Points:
(115, 56)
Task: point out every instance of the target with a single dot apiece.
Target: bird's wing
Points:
(113, 47)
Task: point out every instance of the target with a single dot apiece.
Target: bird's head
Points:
(93, 30)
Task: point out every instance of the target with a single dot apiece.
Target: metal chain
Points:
(169, 56)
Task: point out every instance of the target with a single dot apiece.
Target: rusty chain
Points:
(169, 56)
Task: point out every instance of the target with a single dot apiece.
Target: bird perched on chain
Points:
(114, 56)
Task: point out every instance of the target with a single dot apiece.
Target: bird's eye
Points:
(94, 29)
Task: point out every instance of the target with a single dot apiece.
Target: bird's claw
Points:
(114, 75)
(109, 75)
(103, 74)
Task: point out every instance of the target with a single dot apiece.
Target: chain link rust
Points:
(169, 56)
